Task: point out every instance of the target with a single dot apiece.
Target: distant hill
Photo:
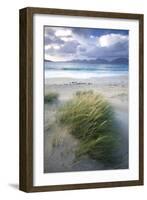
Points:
(102, 61)
(96, 61)
(119, 61)
(48, 60)
(99, 61)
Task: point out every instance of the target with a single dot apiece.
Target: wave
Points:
(79, 75)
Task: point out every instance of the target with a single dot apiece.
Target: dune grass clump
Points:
(78, 93)
(51, 97)
(90, 118)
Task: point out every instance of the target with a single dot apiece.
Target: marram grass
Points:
(90, 118)
(51, 97)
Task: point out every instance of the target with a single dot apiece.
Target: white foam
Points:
(80, 75)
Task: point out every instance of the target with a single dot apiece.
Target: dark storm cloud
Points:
(50, 37)
(69, 47)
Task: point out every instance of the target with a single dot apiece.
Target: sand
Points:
(59, 145)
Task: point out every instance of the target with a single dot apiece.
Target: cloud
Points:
(70, 47)
(67, 51)
(111, 39)
(52, 46)
(63, 32)
(82, 49)
(79, 43)
(50, 36)
(66, 39)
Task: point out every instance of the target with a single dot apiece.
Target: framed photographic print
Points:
(81, 99)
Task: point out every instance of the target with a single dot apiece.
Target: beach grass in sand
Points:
(90, 119)
(51, 97)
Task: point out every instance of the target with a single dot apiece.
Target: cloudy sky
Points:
(64, 43)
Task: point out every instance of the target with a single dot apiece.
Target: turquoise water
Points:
(83, 70)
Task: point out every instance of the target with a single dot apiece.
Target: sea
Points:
(83, 70)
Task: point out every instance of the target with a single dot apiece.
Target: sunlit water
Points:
(83, 70)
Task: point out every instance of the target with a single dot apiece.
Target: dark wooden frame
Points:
(26, 99)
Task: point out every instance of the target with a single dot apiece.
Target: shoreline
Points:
(105, 79)
(114, 89)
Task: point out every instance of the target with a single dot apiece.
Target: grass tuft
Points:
(51, 97)
(90, 118)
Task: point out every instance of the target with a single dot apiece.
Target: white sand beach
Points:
(59, 150)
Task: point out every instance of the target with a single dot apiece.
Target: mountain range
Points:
(96, 61)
